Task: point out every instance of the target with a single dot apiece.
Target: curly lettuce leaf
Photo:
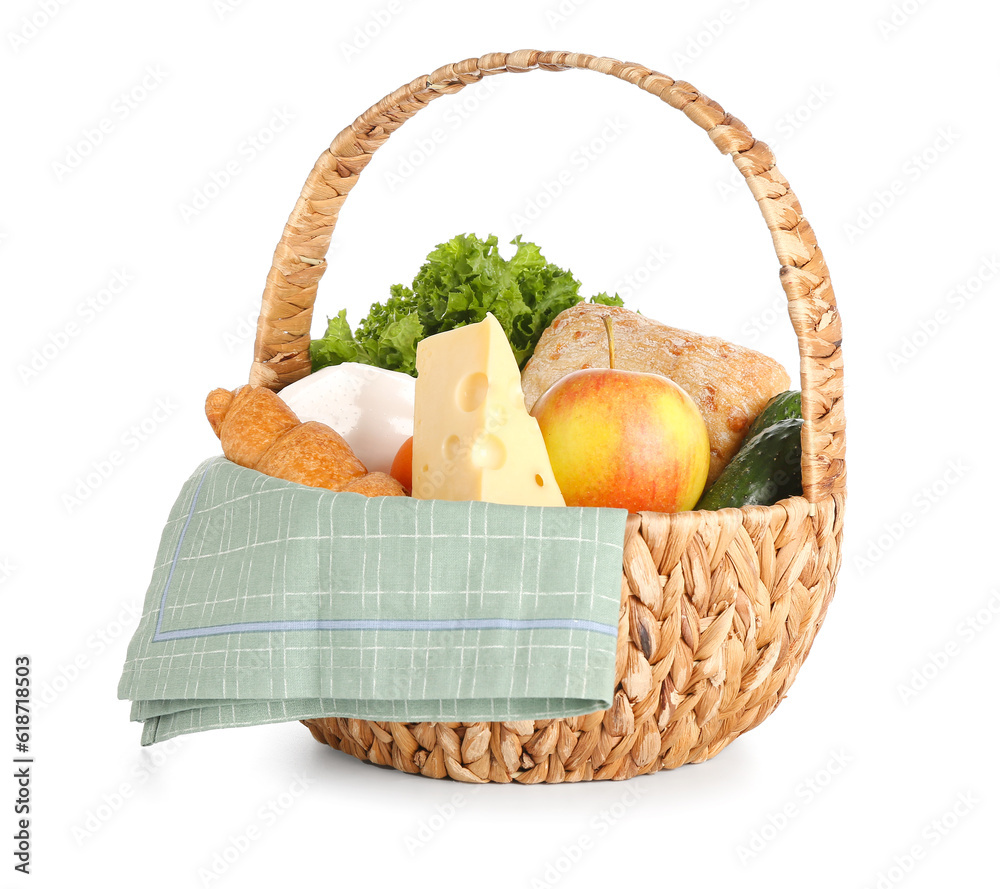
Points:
(337, 345)
(461, 280)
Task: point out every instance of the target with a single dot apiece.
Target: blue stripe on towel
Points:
(280, 626)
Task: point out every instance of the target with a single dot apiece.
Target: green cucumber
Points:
(784, 406)
(766, 469)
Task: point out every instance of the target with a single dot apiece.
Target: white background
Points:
(879, 769)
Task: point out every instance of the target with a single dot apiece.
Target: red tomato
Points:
(402, 465)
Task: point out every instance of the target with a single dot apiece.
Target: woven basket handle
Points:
(281, 352)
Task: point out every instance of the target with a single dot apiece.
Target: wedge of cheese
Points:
(473, 438)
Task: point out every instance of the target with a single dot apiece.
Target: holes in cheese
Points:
(471, 391)
(451, 448)
(489, 452)
(473, 439)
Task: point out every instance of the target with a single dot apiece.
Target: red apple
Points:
(624, 439)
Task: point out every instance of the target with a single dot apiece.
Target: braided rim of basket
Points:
(281, 350)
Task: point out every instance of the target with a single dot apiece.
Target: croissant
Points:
(259, 431)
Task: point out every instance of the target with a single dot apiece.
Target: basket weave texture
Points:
(718, 609)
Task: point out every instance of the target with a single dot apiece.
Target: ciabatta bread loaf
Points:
(729, 383)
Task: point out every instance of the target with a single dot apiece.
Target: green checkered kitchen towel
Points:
(271, 601)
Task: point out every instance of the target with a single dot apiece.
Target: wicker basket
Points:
(719, 609)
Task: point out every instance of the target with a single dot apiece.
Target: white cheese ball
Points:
(370, 407)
